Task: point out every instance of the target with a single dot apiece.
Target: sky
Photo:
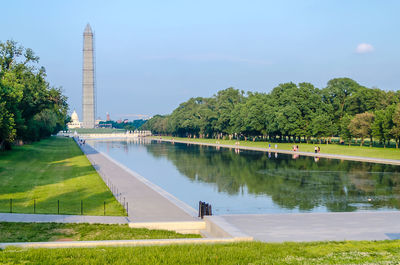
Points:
(153, 55)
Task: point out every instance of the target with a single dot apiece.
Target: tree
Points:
(29, 108)
(360, 126)
(395, 131)
(383, 124)
(157, 124)
(248, 117)
(289, 111)
(344, 127)
(321, 125)
(225, 102)
(338, 94)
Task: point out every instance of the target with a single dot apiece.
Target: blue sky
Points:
(153, 55)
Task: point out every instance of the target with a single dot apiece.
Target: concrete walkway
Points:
(50, 218)
(321, 155)
(318, 226)
(146, 201)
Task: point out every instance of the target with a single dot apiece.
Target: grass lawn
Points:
(51, 170)
(376, 152)
(42, 232)
(350, 252)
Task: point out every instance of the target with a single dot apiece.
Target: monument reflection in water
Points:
(258, 182)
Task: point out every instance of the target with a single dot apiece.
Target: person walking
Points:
(315, 149)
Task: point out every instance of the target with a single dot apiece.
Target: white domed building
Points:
(74, 121)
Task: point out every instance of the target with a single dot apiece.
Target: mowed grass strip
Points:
(53, 170)
(350, 252)
(363, 151)
(43, 232)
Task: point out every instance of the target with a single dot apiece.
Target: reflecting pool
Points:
(259, 182)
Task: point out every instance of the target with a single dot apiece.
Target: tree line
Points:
(30, 109)
(129, 126)
(290, 112)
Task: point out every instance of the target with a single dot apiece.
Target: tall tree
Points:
(27, 102)
(395, 131)
(225, 102)
(361, 126)
(338, 94)
(383, 124)
(344, 128)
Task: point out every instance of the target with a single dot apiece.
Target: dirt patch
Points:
(65, 231)
(63, 234)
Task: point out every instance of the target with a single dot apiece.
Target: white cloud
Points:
(364, 48)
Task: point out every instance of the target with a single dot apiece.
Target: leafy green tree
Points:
(361, 126)
(157, 124)
(383, 124)
(365, 99)
(30, 108)
(338, 94)
(395, 131)
(225, 102)
(344, 132)
(248, 117)
(321, 125)
(289, 112)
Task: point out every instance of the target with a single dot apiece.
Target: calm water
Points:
(257, 182)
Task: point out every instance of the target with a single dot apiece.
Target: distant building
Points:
(74, 121)
(126, 121)
(97, 122)
(108, 117)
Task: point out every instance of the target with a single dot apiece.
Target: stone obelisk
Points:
(88, 82)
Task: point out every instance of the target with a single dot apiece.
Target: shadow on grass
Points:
(25, 171)
(38, 164)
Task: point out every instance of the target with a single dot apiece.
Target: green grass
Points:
(351, 252)
(376, 152)
(98, 130)
(51, 170)
(43, 232)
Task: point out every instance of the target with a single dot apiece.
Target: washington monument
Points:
(88, 82)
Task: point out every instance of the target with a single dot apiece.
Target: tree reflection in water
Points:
(304, 183)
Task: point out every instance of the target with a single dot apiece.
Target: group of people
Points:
(295, 148)
(317, 149)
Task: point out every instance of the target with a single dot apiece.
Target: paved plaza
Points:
(318, 226)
